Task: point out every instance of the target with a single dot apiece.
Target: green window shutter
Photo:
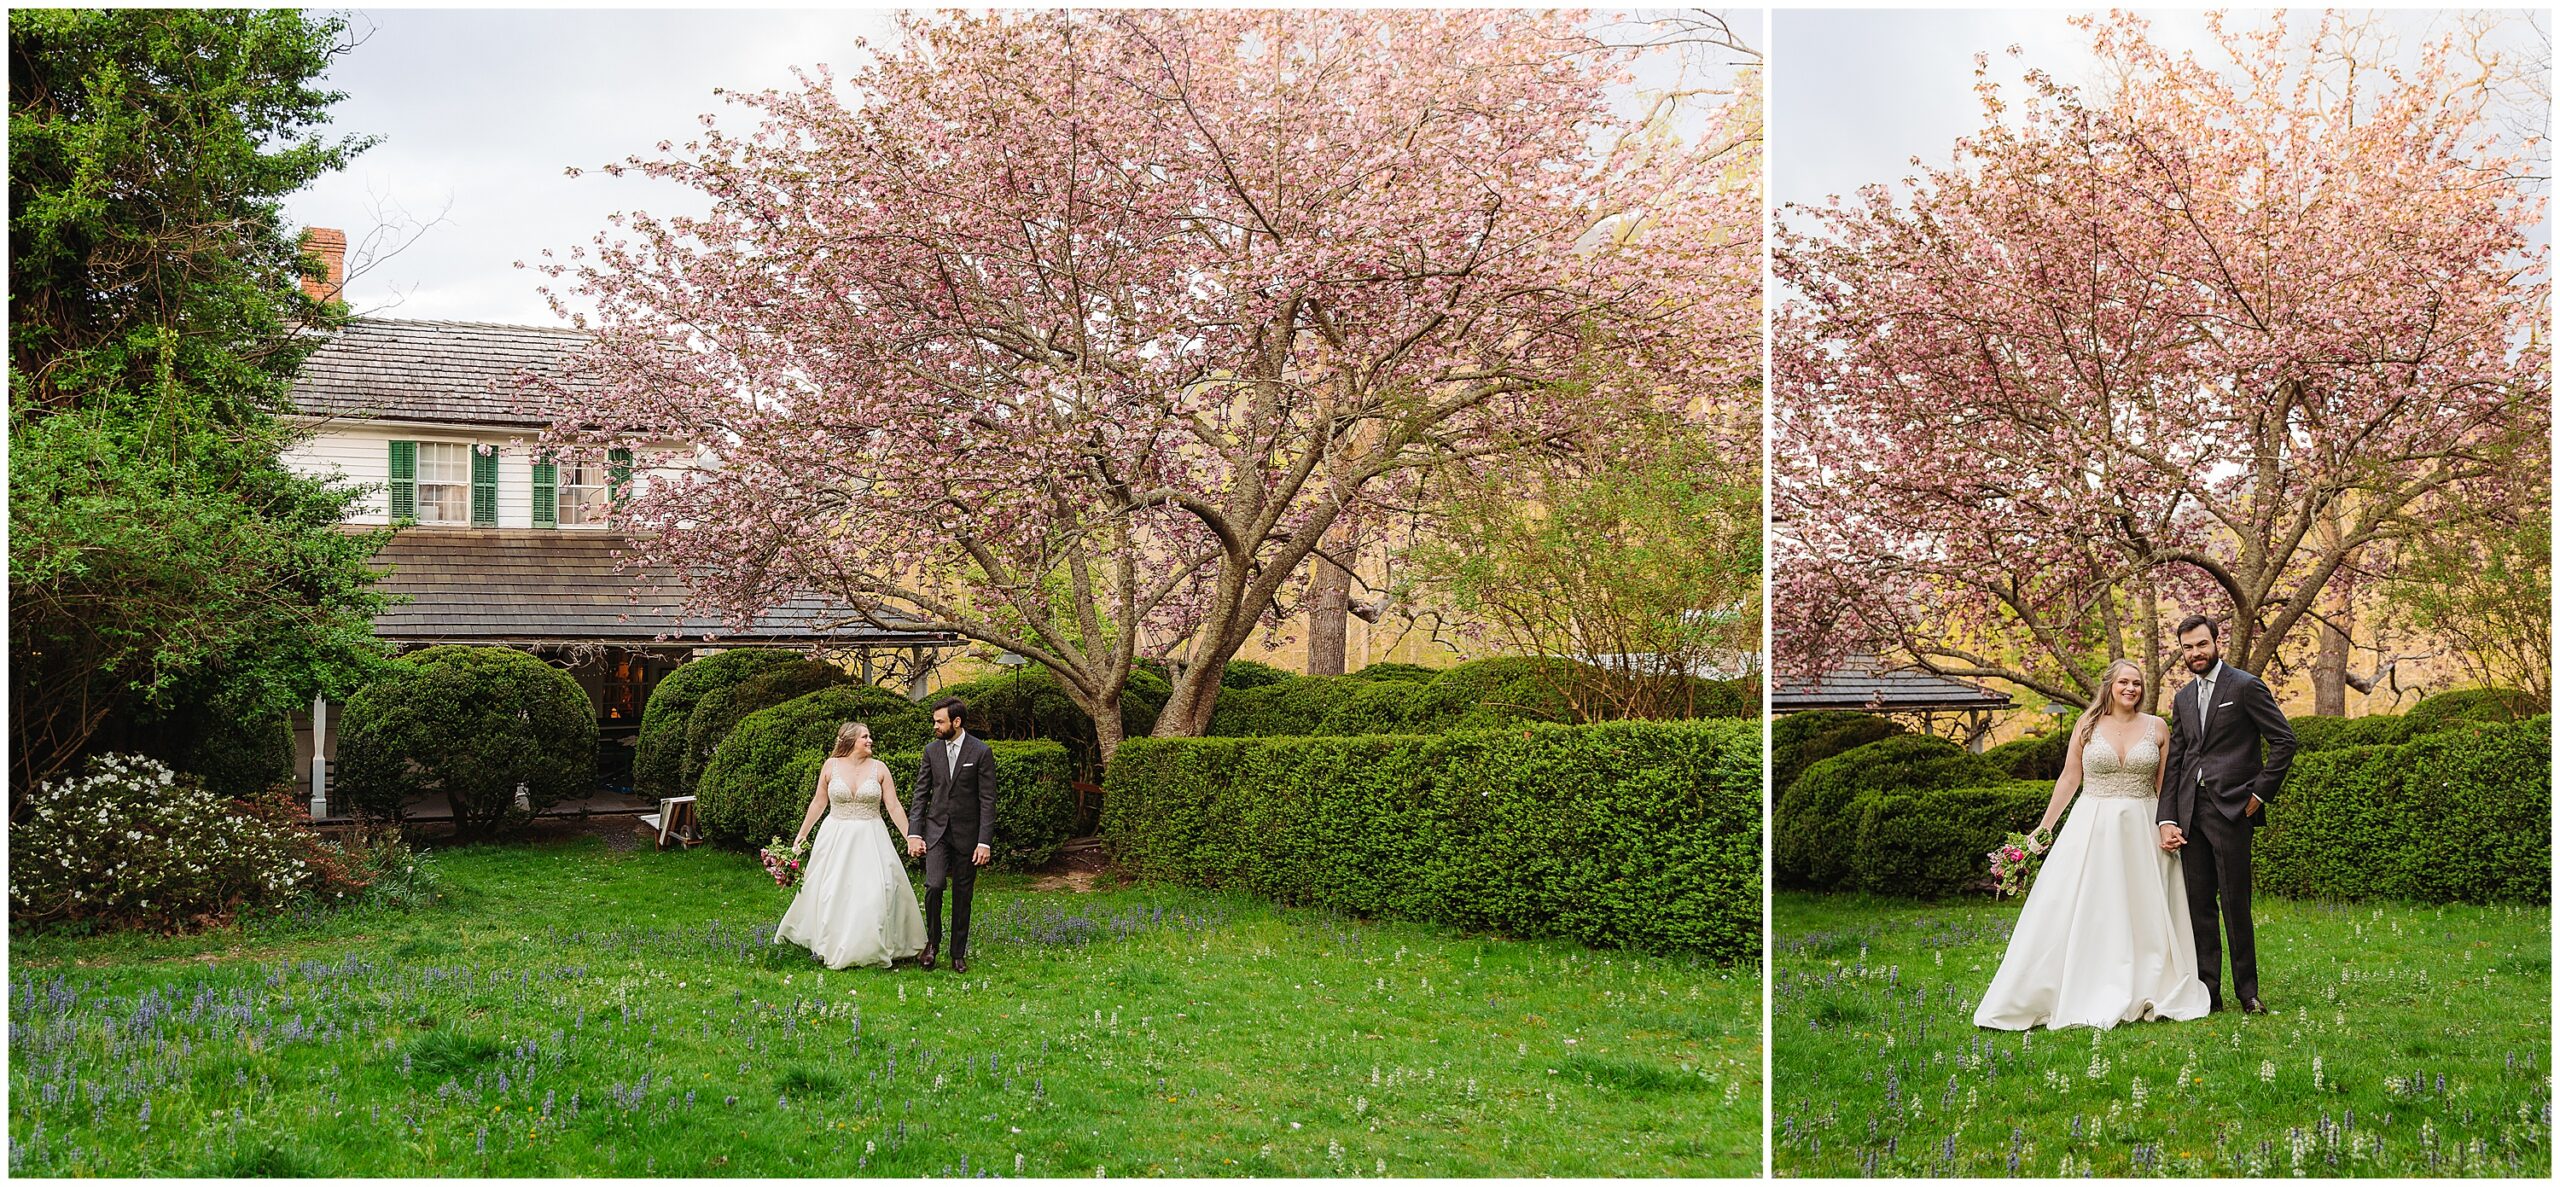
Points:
(484, 488)
(546, 495)
(618, 474)
(404, 481)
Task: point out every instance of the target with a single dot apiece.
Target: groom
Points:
(2214, 796)
(952, 824)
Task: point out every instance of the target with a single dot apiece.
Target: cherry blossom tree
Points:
(2203, 343)
(1078, 333)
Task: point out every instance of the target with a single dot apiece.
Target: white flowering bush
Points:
(128, 843)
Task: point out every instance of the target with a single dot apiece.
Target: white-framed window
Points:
(444, 482)
(584, 498)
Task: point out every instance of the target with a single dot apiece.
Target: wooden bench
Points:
(674, 821)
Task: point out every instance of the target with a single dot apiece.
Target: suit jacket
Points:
(2224, 752)
(962, 803)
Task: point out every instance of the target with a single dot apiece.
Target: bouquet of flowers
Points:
(2013, 863)
(783, 861)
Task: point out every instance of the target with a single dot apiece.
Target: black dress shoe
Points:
(959, 964)
(2252, 1005)
(927, 959)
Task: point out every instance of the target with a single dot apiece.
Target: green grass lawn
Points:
(572, 1010)
(2401, 1040)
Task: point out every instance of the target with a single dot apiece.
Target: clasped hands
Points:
(977, 857)
(2173, 838)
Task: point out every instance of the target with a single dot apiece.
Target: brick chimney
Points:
(331, 246)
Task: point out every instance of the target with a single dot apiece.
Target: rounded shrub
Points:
(475, 723)
(2036, 756)
(127, 842)
(762, 773)
(1816, 828)
(1391, 670)
(2471, 704)
(1503, 691)
(1376, 707)
(2461, 814)
(1799, 740)
(2312, 734)
(1297, 707)
(1245, 673)
(1936, 844)
(723, 707)
(657, 766)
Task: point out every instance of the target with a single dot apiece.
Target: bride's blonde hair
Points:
(2104, 703)
(846, 735)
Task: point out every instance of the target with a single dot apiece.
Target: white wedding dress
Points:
(2104, 936)
(855, 904)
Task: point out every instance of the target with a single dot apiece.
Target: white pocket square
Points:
(966, 765)
(2226, 704)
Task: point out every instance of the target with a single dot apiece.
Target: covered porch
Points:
(564, 595)
(1942, 706)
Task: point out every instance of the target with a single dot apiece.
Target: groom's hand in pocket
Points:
(2254, 804)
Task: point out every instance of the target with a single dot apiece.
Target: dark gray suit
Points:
(955, 812)
(2213, 768)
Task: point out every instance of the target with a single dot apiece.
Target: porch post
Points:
(319, 759)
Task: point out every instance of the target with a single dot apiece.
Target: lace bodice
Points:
(846, 801)
(2105, 773)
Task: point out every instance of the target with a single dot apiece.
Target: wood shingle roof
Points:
(446, 372)
(1864, 684)
(526, 586)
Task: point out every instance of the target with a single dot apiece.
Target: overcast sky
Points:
(1858, 93)
(480, 113)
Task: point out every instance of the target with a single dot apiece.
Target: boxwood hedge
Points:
(2461, 814)
(722, 708)
(1404, 699)
(2313, 734)
(657, 767)
(1799, 740)
(2037, 756)
(1637, 834)
(2472, 704)
(1816, 826)
(1933, 844)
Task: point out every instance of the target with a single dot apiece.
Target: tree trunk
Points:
(1195, 698)
(2329, 666)
(1328, 617)
(2156, 662)
(1107, 731)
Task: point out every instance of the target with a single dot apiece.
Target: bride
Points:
(855, 904)
(2104, 936)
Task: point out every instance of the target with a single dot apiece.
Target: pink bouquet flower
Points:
(2013, 863)
(783, 861)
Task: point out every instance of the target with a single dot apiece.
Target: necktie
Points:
(951, 756)
(2204, 707)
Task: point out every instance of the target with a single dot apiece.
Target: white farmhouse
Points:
(498, 546)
